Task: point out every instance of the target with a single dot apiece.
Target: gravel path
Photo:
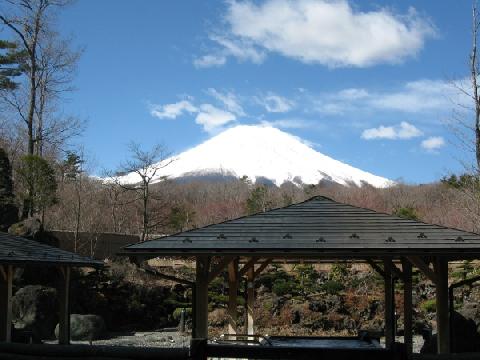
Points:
(144, 339)
(172, 339)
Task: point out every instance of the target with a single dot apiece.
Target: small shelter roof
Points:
(316, 227)
(18, 250)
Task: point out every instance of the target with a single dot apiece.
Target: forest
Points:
(44, 172)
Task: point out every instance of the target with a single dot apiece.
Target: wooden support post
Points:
(6, 281)
(407, 307)
(262, 267)
(247, 266)
(389, 304)
(200, 330)
(376, 268)
(232, 296)
(250, 300)
(424, 268)
(219, 268)
(64, 302)
(443, 319)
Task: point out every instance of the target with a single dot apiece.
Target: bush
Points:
(429, 306)
(332, 287)
(406, 213)
(283, 287)
(339, 272)
(178, 311)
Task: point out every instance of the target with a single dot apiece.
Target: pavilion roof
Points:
(316, 227)
(19, 250)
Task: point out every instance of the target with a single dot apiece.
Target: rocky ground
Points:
(127, 304)
(170, 339)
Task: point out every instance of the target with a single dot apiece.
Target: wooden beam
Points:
(376, 267)
(219, 268)
(64, 302)
(232, 296)
(423, 267)
(398, 273)
(407, 307)
(200, 330)
(250, 263)
(262, 267)
(389, 305)
(250, 300)
(441, 295)
(6, 303)
(154, 272)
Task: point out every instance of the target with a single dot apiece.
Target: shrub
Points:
(339, 272)
(429, 306)
(406, 213)
(283, 287)
(332, 287)
(178, 311)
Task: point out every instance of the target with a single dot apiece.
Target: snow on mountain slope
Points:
(262, 152)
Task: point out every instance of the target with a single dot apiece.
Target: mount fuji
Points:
(261, 153)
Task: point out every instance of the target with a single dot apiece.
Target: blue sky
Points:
(365, 82)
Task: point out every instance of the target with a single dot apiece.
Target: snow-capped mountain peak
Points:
(259, 151)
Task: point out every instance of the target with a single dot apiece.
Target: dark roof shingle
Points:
(18, 250)
(318, 225)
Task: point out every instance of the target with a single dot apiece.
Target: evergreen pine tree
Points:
(10, 64)
(8, 210)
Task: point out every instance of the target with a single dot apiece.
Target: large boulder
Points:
(29, 228)
(465, 337)
(34, 309)
(8, 210)
(471, 310)
(85, 327)
(8, 215)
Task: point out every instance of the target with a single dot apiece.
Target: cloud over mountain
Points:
(330, 33)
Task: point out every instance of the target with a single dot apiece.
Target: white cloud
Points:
(210, 60)
(207, 115)
(211, 117)
(353, 94)
(402, 131)
(276, 104)
(420, 96)
(172, 111)
(287, 123)
(433, 143)
(229, 100)
(327, 32)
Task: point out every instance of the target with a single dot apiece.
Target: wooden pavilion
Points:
(18, 252)
(319, 229)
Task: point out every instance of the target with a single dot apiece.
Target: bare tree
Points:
(474, 73)
(48, 65)
(144, 168)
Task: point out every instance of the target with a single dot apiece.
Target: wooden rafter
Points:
(262, 267)
(247, 265)
(376, 267)
(398, 273)
(424, 268)
(218, 268)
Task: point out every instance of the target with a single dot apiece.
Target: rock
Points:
(8, 210)
(34, 309)
(85, 327)
(471, 311)
(296, 317)
(218, 317)
(8, 216)
(465, 337)
(27, 228)
(317, 306)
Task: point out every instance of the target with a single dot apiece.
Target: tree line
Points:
(44, 173)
